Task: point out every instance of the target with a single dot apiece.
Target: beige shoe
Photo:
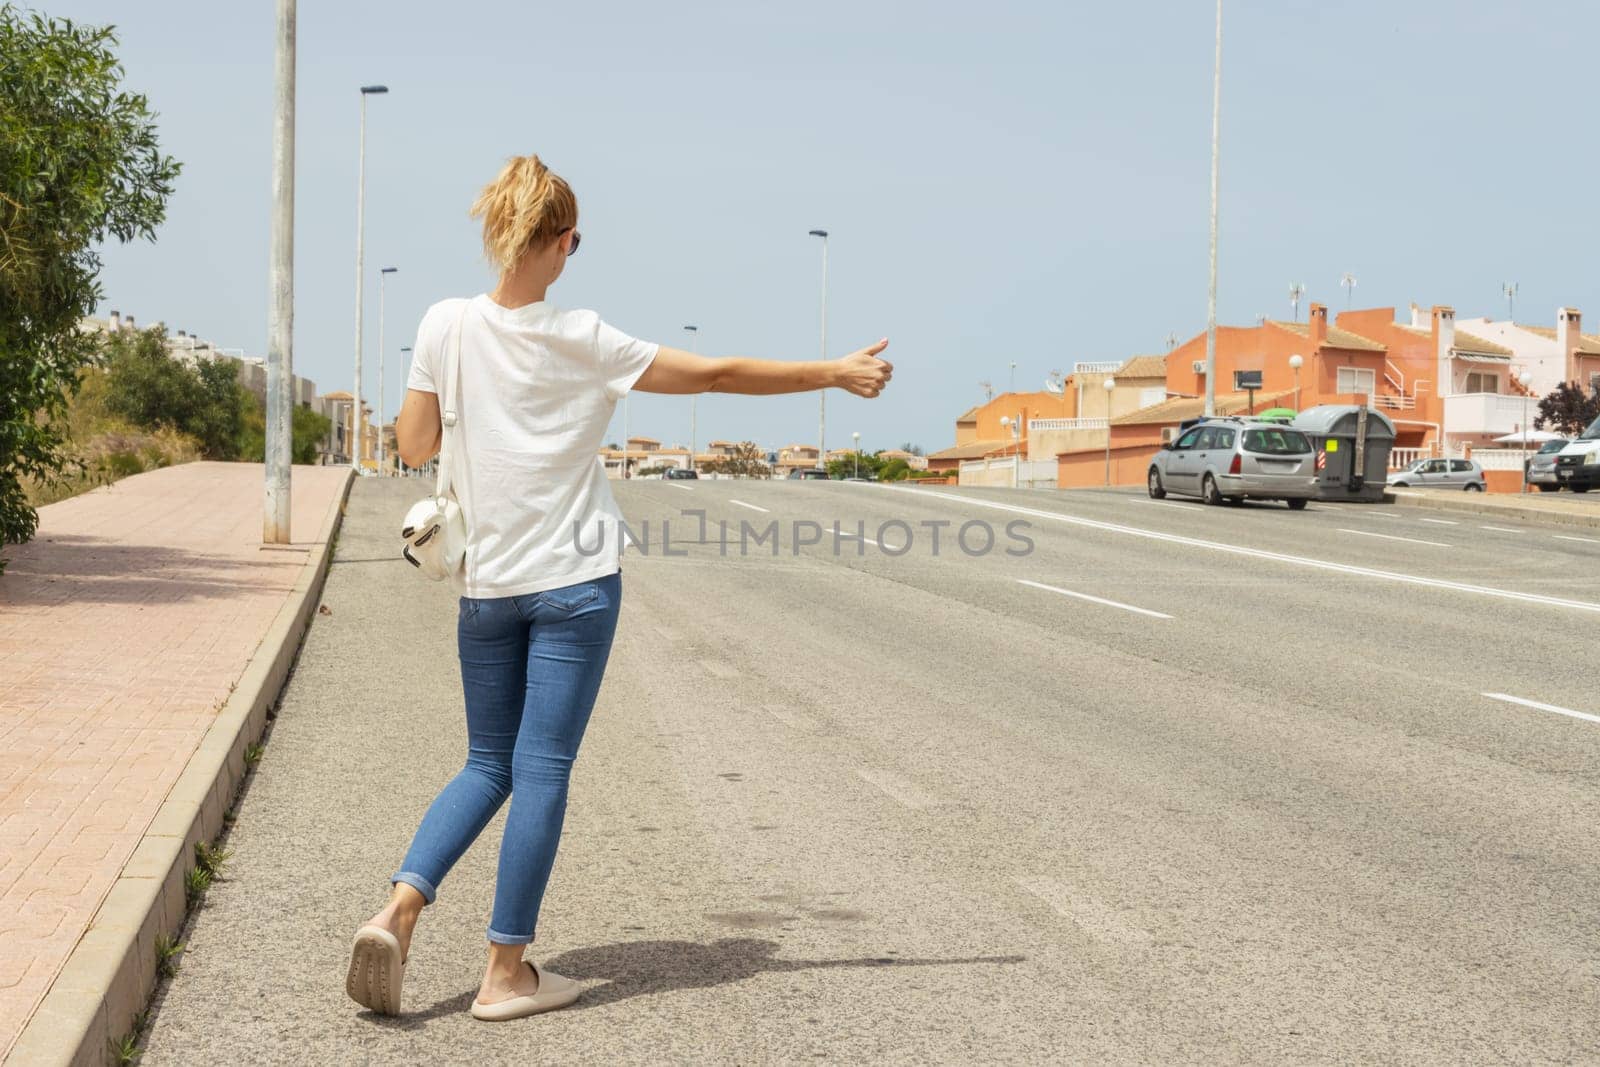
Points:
(377, 970)
(554, 992)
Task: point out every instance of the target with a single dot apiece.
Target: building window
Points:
(1356, 380)
(1483, 382)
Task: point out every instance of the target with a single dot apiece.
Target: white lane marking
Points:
(1392, 537)
(1261, 553)
(1585, 716)
(1500, 529)
(796, 720)
(901, 789)
(752, 507)
(721, 670)
(1094, 599)
(685, 488)
(1569, 537)
(1441, 522)
(1095, 918)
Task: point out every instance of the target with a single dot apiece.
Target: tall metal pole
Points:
(822, 395)
(1211, 302)
(693, 397)
(382, 276)
(280, 311)
(361, 236)
(405, 350)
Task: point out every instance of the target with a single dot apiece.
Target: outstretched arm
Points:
(675, 371)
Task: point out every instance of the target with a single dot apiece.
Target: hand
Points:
(862, 372)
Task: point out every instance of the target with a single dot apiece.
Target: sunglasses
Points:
(577, 238)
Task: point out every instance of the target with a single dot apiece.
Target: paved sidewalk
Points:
(123, 628)
(1565, 509)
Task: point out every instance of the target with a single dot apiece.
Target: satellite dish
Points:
(1052, 387)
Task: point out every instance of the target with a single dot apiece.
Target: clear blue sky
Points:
(1004, 181)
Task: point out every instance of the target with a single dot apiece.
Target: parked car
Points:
(1231, 459)
(673, 474)
(1541, 466)
(1441, 474)
(806, 473)
(1578, 464)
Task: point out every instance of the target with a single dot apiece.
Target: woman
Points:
(538, 607)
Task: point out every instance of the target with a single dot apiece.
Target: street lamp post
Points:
(1110, 384)
(857, 438)
(1211, 300)
(382, 276)
(361, 236)
(822, 394)
(405, 350)
(693, 332)
(280, 315)
(1295, 363)
(1015, 425)
(1013, 386)
(1523, 375)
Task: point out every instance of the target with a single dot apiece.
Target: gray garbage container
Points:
(1340, 433)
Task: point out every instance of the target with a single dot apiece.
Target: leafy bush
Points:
(79, 163)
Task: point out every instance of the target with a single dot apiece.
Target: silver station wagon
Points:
(1232, 459)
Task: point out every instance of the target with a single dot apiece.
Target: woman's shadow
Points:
(640, 968)
(637, 968)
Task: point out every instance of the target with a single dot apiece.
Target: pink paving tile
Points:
(121, 634)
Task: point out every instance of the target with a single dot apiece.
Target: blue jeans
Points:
(531, 667)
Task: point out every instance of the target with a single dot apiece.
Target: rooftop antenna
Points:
(1348, 282)
(1296, 291)
(1172, 341)
(988, 391)
(1510, 291)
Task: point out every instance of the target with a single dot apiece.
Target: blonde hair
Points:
(526, 205)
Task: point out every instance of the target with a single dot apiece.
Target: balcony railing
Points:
(1486, 413)
(1394, 401)
(1096, 368)
(1040, 425)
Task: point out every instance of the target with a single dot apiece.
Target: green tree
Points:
(845, 466)
(308, 430)
(79, 163)
(150, 389)
(746, 461)
(1567, 410)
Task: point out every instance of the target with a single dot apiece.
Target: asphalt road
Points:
(1178, 784)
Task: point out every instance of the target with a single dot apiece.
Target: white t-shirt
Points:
(538, 386)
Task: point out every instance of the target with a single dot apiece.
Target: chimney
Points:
(1319, 324)
(116, 320)
(1416, 318)
(1444, 339)
(128, 323)
(1568, 333)
(183, 333)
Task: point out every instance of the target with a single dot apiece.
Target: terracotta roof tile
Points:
(1144, 367)
(1588, 343)
(1180, 408)
(971, 450)
(1466, 342)
(1337, 338)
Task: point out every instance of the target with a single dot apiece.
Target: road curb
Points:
(111, 972)
(1478, 504)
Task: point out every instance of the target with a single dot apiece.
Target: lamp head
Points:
(819, 233)
(388, 270)
(1109, 384)
(370, 89)
(1295, 362)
